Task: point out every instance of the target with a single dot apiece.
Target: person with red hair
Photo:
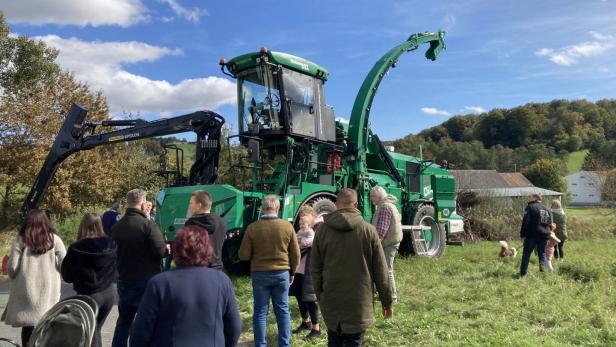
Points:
(34, 270)
(191, 305)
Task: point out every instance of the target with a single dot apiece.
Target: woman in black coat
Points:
(90, 265)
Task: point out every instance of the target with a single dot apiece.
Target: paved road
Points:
(67, 290)
(15, 333)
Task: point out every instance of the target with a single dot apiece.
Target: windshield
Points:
(259, 101)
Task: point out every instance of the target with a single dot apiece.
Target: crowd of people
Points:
(195, 304)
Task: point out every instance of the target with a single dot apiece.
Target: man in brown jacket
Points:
(347, 259)
(271, 247)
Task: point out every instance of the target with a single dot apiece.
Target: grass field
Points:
(575, 161)
(470, 298)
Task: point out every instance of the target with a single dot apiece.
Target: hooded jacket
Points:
(346, 260)
(531, 223)
(560, 219)
(217, 231)
(90, 264)
(394, 233)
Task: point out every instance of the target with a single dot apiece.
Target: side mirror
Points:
(254, 151)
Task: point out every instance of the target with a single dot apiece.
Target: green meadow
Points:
(470, 297)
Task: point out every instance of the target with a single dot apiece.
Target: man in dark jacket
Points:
(347, 259)
(140, 248)
(199, 206)
(535, 231)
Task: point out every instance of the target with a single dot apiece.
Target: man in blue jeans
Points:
(271, 246)
(535, 232)
(141, 247)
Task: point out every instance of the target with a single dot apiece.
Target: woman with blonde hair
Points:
(560, 219)
(34, 265)
(302, 287)
(90, 266)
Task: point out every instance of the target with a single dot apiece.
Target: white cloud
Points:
(192, 15)
(101, 65)
(434, 111)
(475, 109)
(342, 120)
(570, 55)
(70, 12)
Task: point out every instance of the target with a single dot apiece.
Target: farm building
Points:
(490, 183)
(585, 187)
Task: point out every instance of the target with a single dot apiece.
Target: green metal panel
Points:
(444, 190)
(228, 202)
(247, 61)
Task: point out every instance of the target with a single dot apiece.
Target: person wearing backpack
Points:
(535, 232)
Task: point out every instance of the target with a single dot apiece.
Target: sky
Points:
(159, 58)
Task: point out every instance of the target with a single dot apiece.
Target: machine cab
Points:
(281, 95)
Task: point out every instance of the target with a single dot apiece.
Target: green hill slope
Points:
(575, 161)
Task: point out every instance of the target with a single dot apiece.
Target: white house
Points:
(585, 187)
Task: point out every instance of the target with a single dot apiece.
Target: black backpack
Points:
(545, 217)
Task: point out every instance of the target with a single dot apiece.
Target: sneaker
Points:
(313, 334)
(301, 327)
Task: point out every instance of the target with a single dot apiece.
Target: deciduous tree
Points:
(546, 173)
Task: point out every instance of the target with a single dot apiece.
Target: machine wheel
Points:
(322, 205)
(435, 237)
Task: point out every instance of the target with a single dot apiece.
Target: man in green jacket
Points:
(346, 260)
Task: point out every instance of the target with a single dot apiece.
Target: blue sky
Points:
(160, 58)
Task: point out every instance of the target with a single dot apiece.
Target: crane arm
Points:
(358, 124)
(72, 138)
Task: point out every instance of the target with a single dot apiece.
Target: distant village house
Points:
(585, 187)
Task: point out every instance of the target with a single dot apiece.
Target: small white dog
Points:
(506, 251)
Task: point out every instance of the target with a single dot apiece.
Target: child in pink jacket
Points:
(549, 248)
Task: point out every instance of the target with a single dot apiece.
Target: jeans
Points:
(129, 297)
(531, 244)
(335, 339)
(390, 254)
(274, 285)
(105, 300)
(168, 260)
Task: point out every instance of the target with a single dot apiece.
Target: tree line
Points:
(535, 139)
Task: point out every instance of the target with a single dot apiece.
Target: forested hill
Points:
(512, 139)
